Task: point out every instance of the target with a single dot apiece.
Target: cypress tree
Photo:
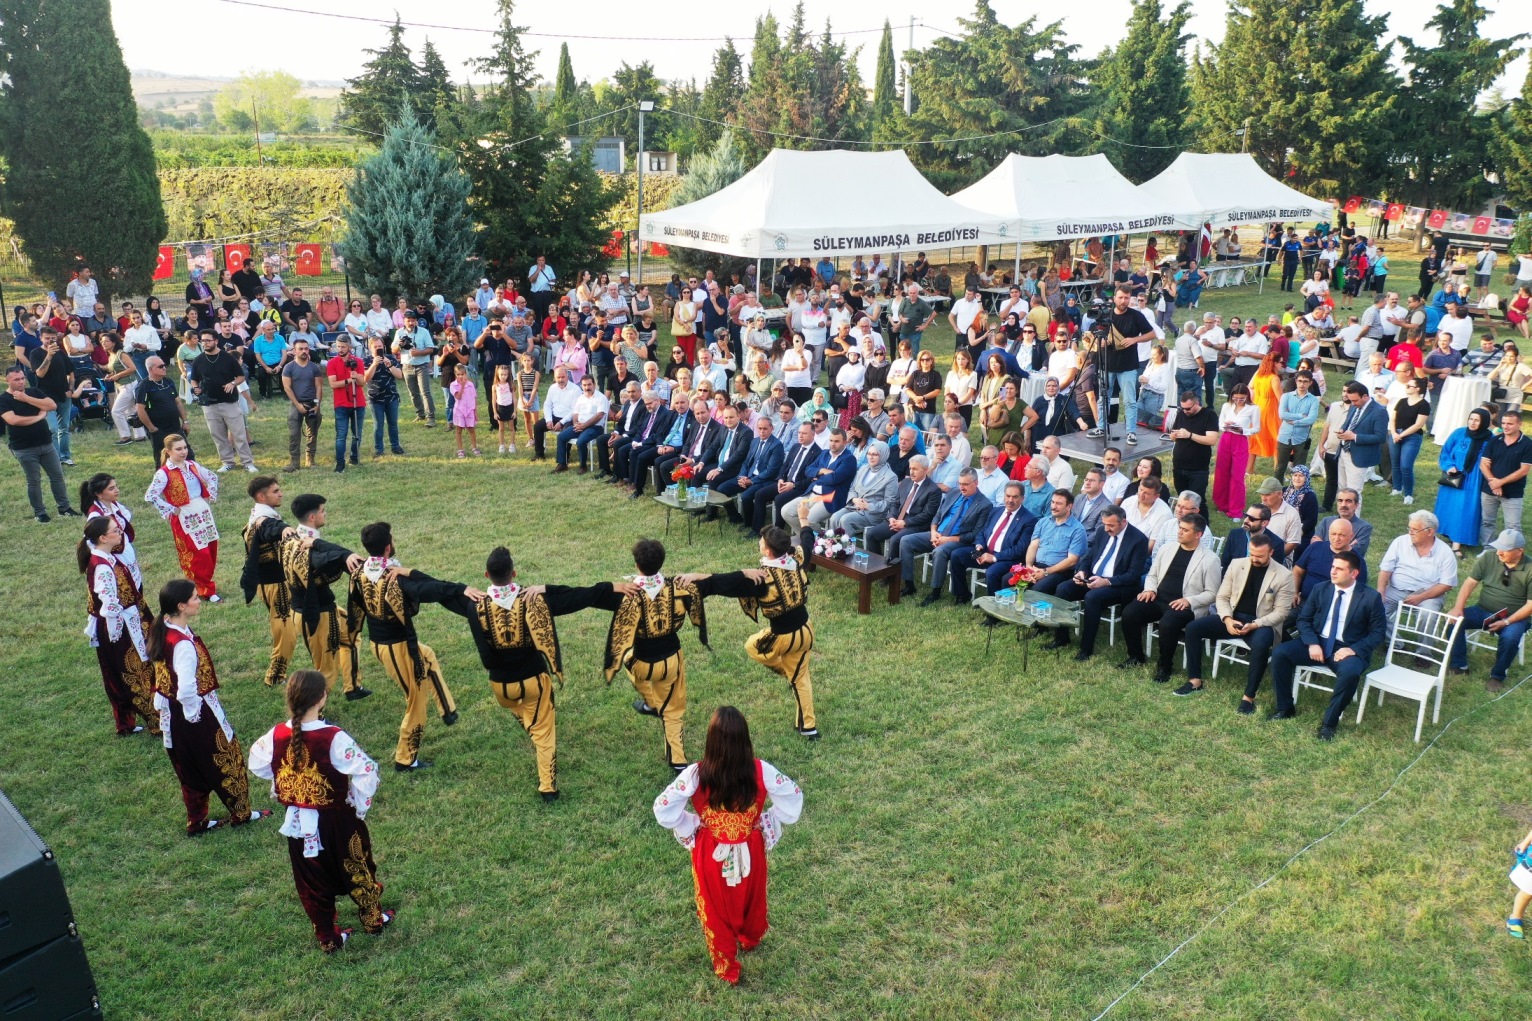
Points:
(1143, 91)
(94, 200)
(885, 92)
(435, 96)
(1512, 147)
(408, 228)
(563, 111)
(1312, 76)
(721, 94)
(372, 100)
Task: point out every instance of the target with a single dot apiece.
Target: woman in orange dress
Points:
(1266, 393)
(181, 491)
(728, 834)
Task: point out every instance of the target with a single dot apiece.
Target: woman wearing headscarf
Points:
(872, 492)
(848, 387)
(1457, 500)
(1301, 497)
(198, 295)
(819, 403)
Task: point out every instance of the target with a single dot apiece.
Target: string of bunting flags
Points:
(303, 258)
(1412, 217)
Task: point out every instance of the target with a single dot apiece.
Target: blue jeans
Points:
(914, 340)
(386, 411)
(1508, 641)
(1126, 384)
(139, 360)
(350, 420)
(582, 438)
(61, 430)
(1403, 455)
(1187, 379)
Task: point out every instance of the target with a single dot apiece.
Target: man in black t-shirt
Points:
(159, 406)
(1195, 430)
(25, 411)
(216, 377)
(247, 280)
(55, 378)
(1126, 329)
(1504, 466)
(295, 308)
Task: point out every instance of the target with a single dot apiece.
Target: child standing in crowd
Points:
(503, 399)
(465, 412)
(527, 399)
(1521, 877)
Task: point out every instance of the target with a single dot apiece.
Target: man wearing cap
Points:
(1504, 608)
(1285, 524)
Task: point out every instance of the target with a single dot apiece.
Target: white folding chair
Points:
(1151, 634)
(1113, 617)
(1420, 636)
(1218, 542)
(1481, 639)
(1304, 677)
(977, 580)
(924, 563)
(1235, 650)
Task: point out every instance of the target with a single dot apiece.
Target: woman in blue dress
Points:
(1457, 509)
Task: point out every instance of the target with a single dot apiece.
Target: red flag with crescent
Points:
(165, 263)
(1482, 224)
(1353, 204)
(234, 256)
(308, 259)
(1394, 211)
(1437, 220)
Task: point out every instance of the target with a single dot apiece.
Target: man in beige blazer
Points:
(1180, 587)
(1254, 600)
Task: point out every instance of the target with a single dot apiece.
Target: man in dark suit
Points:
(630, 416)
(728, 453)
(792, 481)
(830, 480)
(697, 442)
(758, 470)
(634, 461)
(962, 513)
(1361, 436)
(915, 504)
(999, 544)
(1110, 575)
(1340, 626)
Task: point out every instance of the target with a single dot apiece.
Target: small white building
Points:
(608, 153)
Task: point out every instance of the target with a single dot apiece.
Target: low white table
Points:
(1460, 395)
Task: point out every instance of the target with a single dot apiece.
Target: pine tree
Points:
(803, 93)
(681, 132)
(1444, 81)
(1312, 77)
(371, 101)
(96, 200)
(721, 95)
(629, 86)
(1143, 91)
(529, 196)
(564, 108)
(1512, 147)
(707, 173)
(408, 229)
(435, 97)
(885, 93)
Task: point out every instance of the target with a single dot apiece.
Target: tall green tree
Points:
(408, 228)
(564, 108)
(1445, 165)
(1512, 147)
(803, 93)
(529, 196)
(1017, 86)
(1142, 91)
(721, 95)
(885, 90)
(1312, 79)
(681, 132)
(270, 99)
(435, 97)
(629, 86)
(707, 173)
(371, 101)
(96, 200)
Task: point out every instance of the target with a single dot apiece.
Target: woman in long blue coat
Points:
(1457, 509)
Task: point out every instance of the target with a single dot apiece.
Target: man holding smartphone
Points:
(349, 395)
(300, 381)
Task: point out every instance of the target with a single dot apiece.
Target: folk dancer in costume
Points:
(263, 534)
(198, 735)
(181, 491)
(728, 833)
(779, 590)
(117, 626)
(390, 596)
(326, 783)
(311, 565)
(100, 496)
(646, 619)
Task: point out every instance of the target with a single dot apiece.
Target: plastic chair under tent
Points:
(1420, 637)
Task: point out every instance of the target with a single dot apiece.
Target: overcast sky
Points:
(181, 37)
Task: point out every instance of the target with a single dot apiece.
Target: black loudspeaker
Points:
(44, 975)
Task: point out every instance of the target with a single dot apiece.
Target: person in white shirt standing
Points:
(139, 341)
(963, 314)
(1484, 268)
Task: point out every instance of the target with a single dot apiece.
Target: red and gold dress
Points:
(729, 857)
(198, 735)
(182, 493)
(124, 518)
(326, 782)
(118, 629)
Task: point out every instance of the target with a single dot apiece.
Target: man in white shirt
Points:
(1146, 512)
(587, 424)
(1372, 328)
(1214, 344)
(1350, 337)
(991, 479)
(1393, 319)
(83, 292)
(1458, 326)
(1285, 523)
(964, 311)
(1113, 483)
(1060, 474)
(1168, 531)
(1248, 349)
(1373, 375)
(709, 370)
(1418, 569)
(558, 411)
(1483, 269)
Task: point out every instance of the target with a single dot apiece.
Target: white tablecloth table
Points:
(1460, 395)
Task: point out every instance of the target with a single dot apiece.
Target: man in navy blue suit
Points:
(647, 437)
(1340, 626)
(1361, 437)
(1111, 574)
(830, 481)
(792, 482)
(624, 428)
(729, 450)
(697, 442)
(1001, 542)
(959, 518)
(758, 470)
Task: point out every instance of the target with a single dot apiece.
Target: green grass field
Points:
(977, 842)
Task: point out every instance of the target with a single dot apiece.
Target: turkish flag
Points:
(1354, 203)
(308, 259)
(1437, 220)
(165, 263)
(613, 248)
(658, 250)
(1482, 224)
(234, 256)
(1394, 211)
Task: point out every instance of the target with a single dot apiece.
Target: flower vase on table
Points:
(1017, 581)
(682, 474)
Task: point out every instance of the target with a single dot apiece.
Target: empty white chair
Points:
(1423, 640)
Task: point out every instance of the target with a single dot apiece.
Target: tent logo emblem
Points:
(780, 241)
(1003, 230)
(649, 228)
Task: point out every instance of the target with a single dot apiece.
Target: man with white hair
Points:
(1418, 569)
(1060, 474)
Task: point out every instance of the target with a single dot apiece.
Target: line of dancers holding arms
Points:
(157, 670)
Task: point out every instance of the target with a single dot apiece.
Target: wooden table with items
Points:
(866, 573)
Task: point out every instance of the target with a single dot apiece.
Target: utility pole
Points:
(256, 117)
(908, 87)
(1245, 142)
(644, 106)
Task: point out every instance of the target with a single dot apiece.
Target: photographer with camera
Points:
(1118, 331)
(348, 392)
(300, 381)
(382, 377)
(416, 350)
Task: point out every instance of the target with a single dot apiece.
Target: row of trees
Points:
(1306, 85)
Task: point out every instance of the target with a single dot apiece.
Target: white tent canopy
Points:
(1227, 188)
(1055, 198)
(832, 202)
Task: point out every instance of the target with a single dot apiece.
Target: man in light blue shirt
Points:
(944, 468)
(991, 479)
(414, 348)
(484, 297)
(473, 322)
(1298, 411)
(270, 349)
(1059, 540)
(1035, 494)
